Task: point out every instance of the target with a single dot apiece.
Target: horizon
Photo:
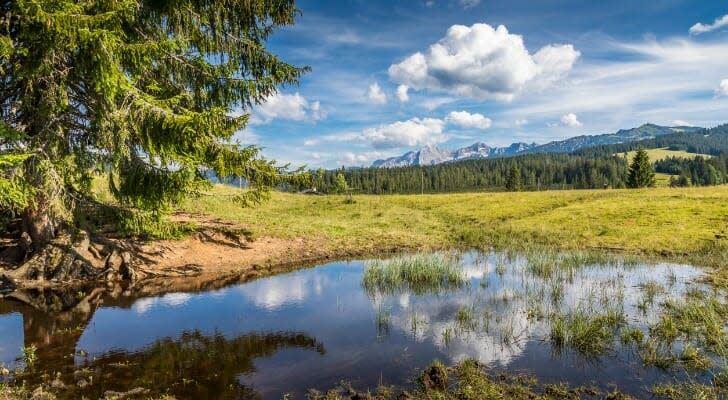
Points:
(450, 73)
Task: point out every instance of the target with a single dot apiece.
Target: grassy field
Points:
(661, 154)
(660, 221)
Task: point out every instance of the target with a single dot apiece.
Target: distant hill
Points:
(430, 155)
(646, 131)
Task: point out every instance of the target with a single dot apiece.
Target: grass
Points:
(663, 153)
(468, 380)
(673, 222)
(421, 273)
(589, 333)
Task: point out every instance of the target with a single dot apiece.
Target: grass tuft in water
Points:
(588, 333)
(632, 335)
(419, 274)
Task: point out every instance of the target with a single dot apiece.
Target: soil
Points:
(217, 249)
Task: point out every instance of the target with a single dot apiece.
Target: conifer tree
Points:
(641, 174)
(513, 180)
(341, 185)
(142, 91)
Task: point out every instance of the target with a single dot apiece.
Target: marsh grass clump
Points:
(423, 273)
(653, 353)
(632, 335)
(545, 263)
(651, 290)
(687, 390)
(588, 333)
(701, 319)
(693, 358)
(466, 319)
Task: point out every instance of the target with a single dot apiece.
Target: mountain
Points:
(646, 131)
(430, 155)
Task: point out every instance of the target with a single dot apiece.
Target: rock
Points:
(58, 384)
(40, 394)
(7, 284)
(82, 383)
(4, 371)
(435, 378)
(112, 395)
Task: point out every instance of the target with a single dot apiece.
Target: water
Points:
(316, 327)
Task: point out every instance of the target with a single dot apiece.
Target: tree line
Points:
(597, 167)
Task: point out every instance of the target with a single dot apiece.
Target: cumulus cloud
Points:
(723, 88)
(287, 106)
(699, 28)
(469, 3)
(413, 132)
(570, 120)
(521, 122)
(351, 158)
(466, 120)
(402, 93)
(376, 95)
(482, 62)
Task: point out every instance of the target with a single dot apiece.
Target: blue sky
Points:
(392, 76)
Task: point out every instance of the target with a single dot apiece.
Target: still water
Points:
(316, 327)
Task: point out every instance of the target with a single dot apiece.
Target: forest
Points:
(597, 167)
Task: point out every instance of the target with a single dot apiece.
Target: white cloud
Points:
(466, 120)
(402, 93)
(485, 63)
(376, 95)
(287, 106)
(429, 4)
(723, 88)
(641, 89)
(521, 122)
(351, 158)
(413, 132)
(246, 136)
(469, 3)
(680, 122)
(699, 28)
(570, 120)
(434, 103)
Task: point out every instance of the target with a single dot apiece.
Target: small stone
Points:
(40, 394)
(58, 384)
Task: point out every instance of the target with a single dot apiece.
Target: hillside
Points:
(431, 155)
(664, 153)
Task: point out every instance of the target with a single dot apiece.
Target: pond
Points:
(315, 327)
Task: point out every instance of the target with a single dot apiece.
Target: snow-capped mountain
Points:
(431, 155)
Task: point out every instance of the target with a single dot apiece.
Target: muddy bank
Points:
(210, 254)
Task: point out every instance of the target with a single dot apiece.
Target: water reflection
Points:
(226, 339)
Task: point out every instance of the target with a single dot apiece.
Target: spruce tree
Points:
(144, 93)
(641, 174)
(513, 180)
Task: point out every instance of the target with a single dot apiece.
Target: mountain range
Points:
(431, 155)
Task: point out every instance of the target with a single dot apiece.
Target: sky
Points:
(389, 76)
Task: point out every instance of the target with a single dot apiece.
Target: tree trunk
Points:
(39, 226)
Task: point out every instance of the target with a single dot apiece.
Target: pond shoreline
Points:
(218, 257)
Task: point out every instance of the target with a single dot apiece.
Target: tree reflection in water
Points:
(193, 365)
